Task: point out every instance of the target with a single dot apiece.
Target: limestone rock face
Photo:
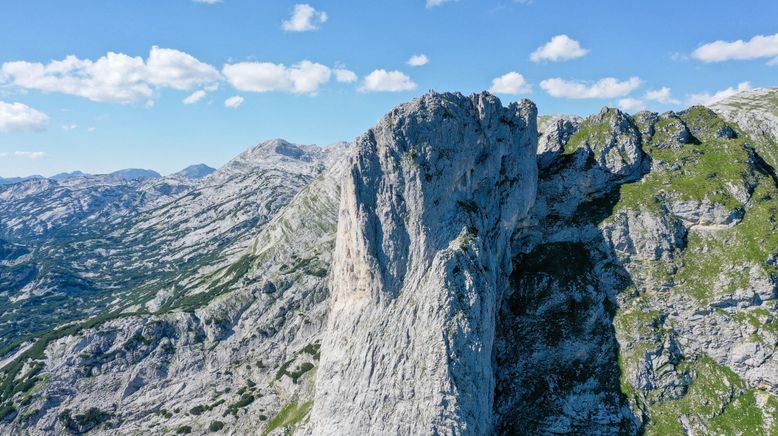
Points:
(553, 133)
(422, 255)
(756, 113)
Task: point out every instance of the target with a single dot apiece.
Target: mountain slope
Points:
(634, 294)
(104, 244)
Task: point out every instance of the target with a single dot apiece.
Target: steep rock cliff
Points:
(422, 255)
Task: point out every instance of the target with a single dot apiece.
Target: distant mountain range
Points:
(194, 172)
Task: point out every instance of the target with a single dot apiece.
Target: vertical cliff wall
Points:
(422, 254)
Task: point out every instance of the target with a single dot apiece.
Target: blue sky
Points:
(128, 111)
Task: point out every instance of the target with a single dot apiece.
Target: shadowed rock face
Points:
(434, 192)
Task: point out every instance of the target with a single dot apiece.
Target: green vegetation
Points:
(296, 373)
(83, 422)
(707, 168)
(717, 170)
(314, 349)
(242, 402)
(302, 369)
(591, 131)
(216, 426)
(184, 429)
(717, 400)
(288, 416)
(282, 370)
(725, 257)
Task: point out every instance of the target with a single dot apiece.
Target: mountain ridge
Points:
(638, 285)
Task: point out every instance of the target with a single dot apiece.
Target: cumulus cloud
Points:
(560, 48)
(208, 2)
(418, 60)
(510, 83)
(707, 98)
(302, 78)
(662, 95)
(304, 19)
(760, 46)
(234, 101)
(631, 104)
(345, 76)
(387, 81)
(194, 97)
(608, 87)
(26, 154)
(115, 77)
(70, 127)
(18, 117)
(176, 69)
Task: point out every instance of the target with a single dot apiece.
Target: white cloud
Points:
(302, 78)
(662, 95)
(257, 76)
(434, 3)
(387, 81)
(194, 97)
(608, 87)
(707, 98)
(208, 2)
(176, 69)
(70, 127)
(304, 18)
(345, 76)
(560, 48)
(307, 76)
(510, 83)
(234, 101)
(91, 129)
(631, 104)
(18, 117)
(418, 60)
(760, 46)
(27, 154)
(115, 77)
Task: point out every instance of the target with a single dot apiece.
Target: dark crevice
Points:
(556, 340)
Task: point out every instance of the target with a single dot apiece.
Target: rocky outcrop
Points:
(553, 134)
(755, 112)
(421, 258)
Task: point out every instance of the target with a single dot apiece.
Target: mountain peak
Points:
(136, 173)
(67, 175)
(427, 208)
(197, 171)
